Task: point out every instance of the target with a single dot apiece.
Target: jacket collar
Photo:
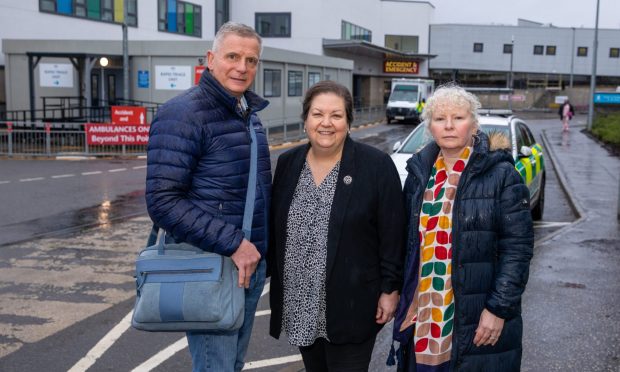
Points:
(344, 188)
(211, 85)
(342, 196)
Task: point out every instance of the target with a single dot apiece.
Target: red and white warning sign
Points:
(128, 115)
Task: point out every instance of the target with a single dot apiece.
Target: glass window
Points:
(132, 13)
(189, 19)
(582, 51)
(65, 7)
(93, 9)
(538, 49)
(118, 11)
(80, 8)
(272, 83)
(523, 138)
(295, 83)
(161, 15)
(179, 17)
(507, 48)
(313, 78)
(222, 13)
(614, 52)
(402, 42)
(273, 24)
(107, 10)
(478, 47)
(99, 10)
(550, 50)
(349, 31)
(197, 21)
(47, 5)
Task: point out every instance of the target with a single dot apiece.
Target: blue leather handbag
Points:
(180, 287)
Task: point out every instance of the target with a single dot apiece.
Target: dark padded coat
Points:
(492, 242)
(365, 239)
(198, 167)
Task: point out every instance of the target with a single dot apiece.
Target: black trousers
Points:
(323, 356)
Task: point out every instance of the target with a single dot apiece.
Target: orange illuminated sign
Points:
(400, 67)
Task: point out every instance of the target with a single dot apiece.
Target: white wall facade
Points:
(313, 21)
(453, 45)
(21, 19)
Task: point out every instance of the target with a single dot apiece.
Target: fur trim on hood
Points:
(498, 141)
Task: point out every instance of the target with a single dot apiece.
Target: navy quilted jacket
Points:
(198, 167)
(492, 243)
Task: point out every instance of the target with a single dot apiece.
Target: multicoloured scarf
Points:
(432, 310)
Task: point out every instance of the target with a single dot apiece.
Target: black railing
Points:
(65, 110)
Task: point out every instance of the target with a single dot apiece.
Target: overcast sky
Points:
(563, 13)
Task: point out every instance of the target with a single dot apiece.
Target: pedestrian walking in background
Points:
(470, 244)
(566, 112)
(197, 176)
(337, 238)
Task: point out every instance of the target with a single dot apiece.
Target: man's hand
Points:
(489, 329)
(386, 307)
(246, 258)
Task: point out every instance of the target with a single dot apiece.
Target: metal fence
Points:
(19, 138)
(70, 109)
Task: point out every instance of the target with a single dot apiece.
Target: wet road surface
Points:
(92, 278)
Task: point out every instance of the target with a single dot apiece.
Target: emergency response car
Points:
(527, 153)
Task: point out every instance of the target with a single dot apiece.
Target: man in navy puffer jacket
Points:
(197, 177)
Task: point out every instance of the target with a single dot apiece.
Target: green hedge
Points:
(607, 128)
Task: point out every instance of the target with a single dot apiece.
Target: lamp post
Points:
(125, 54)
(103, 62)
(593, 76)
(510, 78)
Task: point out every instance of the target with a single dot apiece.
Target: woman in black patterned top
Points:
(337, 238)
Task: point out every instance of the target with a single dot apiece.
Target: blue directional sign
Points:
(607, 98)
(143, 78)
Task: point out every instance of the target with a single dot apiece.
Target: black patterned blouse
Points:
(305, 258)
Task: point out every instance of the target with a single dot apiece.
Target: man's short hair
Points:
(238, 29)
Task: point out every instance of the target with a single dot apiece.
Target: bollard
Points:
(9, 129)
(85, 142)
(48, 139)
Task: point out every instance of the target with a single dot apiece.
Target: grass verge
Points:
(607, 129)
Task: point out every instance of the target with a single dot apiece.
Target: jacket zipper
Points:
(457, 201)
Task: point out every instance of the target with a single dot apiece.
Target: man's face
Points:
(235, 62)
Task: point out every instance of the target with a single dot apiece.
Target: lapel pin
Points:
(347, 180)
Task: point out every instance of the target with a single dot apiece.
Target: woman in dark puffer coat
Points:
(470, 242)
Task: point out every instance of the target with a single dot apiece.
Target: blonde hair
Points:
(451, 94)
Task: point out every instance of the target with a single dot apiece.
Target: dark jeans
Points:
(323, 356)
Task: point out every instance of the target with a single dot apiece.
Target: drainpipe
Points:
(572, 58)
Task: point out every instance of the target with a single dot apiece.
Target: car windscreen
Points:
(422, 136)
(404, 93)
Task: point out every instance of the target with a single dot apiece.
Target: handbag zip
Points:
(143, 274)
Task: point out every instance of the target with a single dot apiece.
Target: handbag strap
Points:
(250, 197)
(248, 212)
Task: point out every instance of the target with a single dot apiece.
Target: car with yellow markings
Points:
(527, 153)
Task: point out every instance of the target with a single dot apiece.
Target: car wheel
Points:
(537, 212)
(389, 119)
